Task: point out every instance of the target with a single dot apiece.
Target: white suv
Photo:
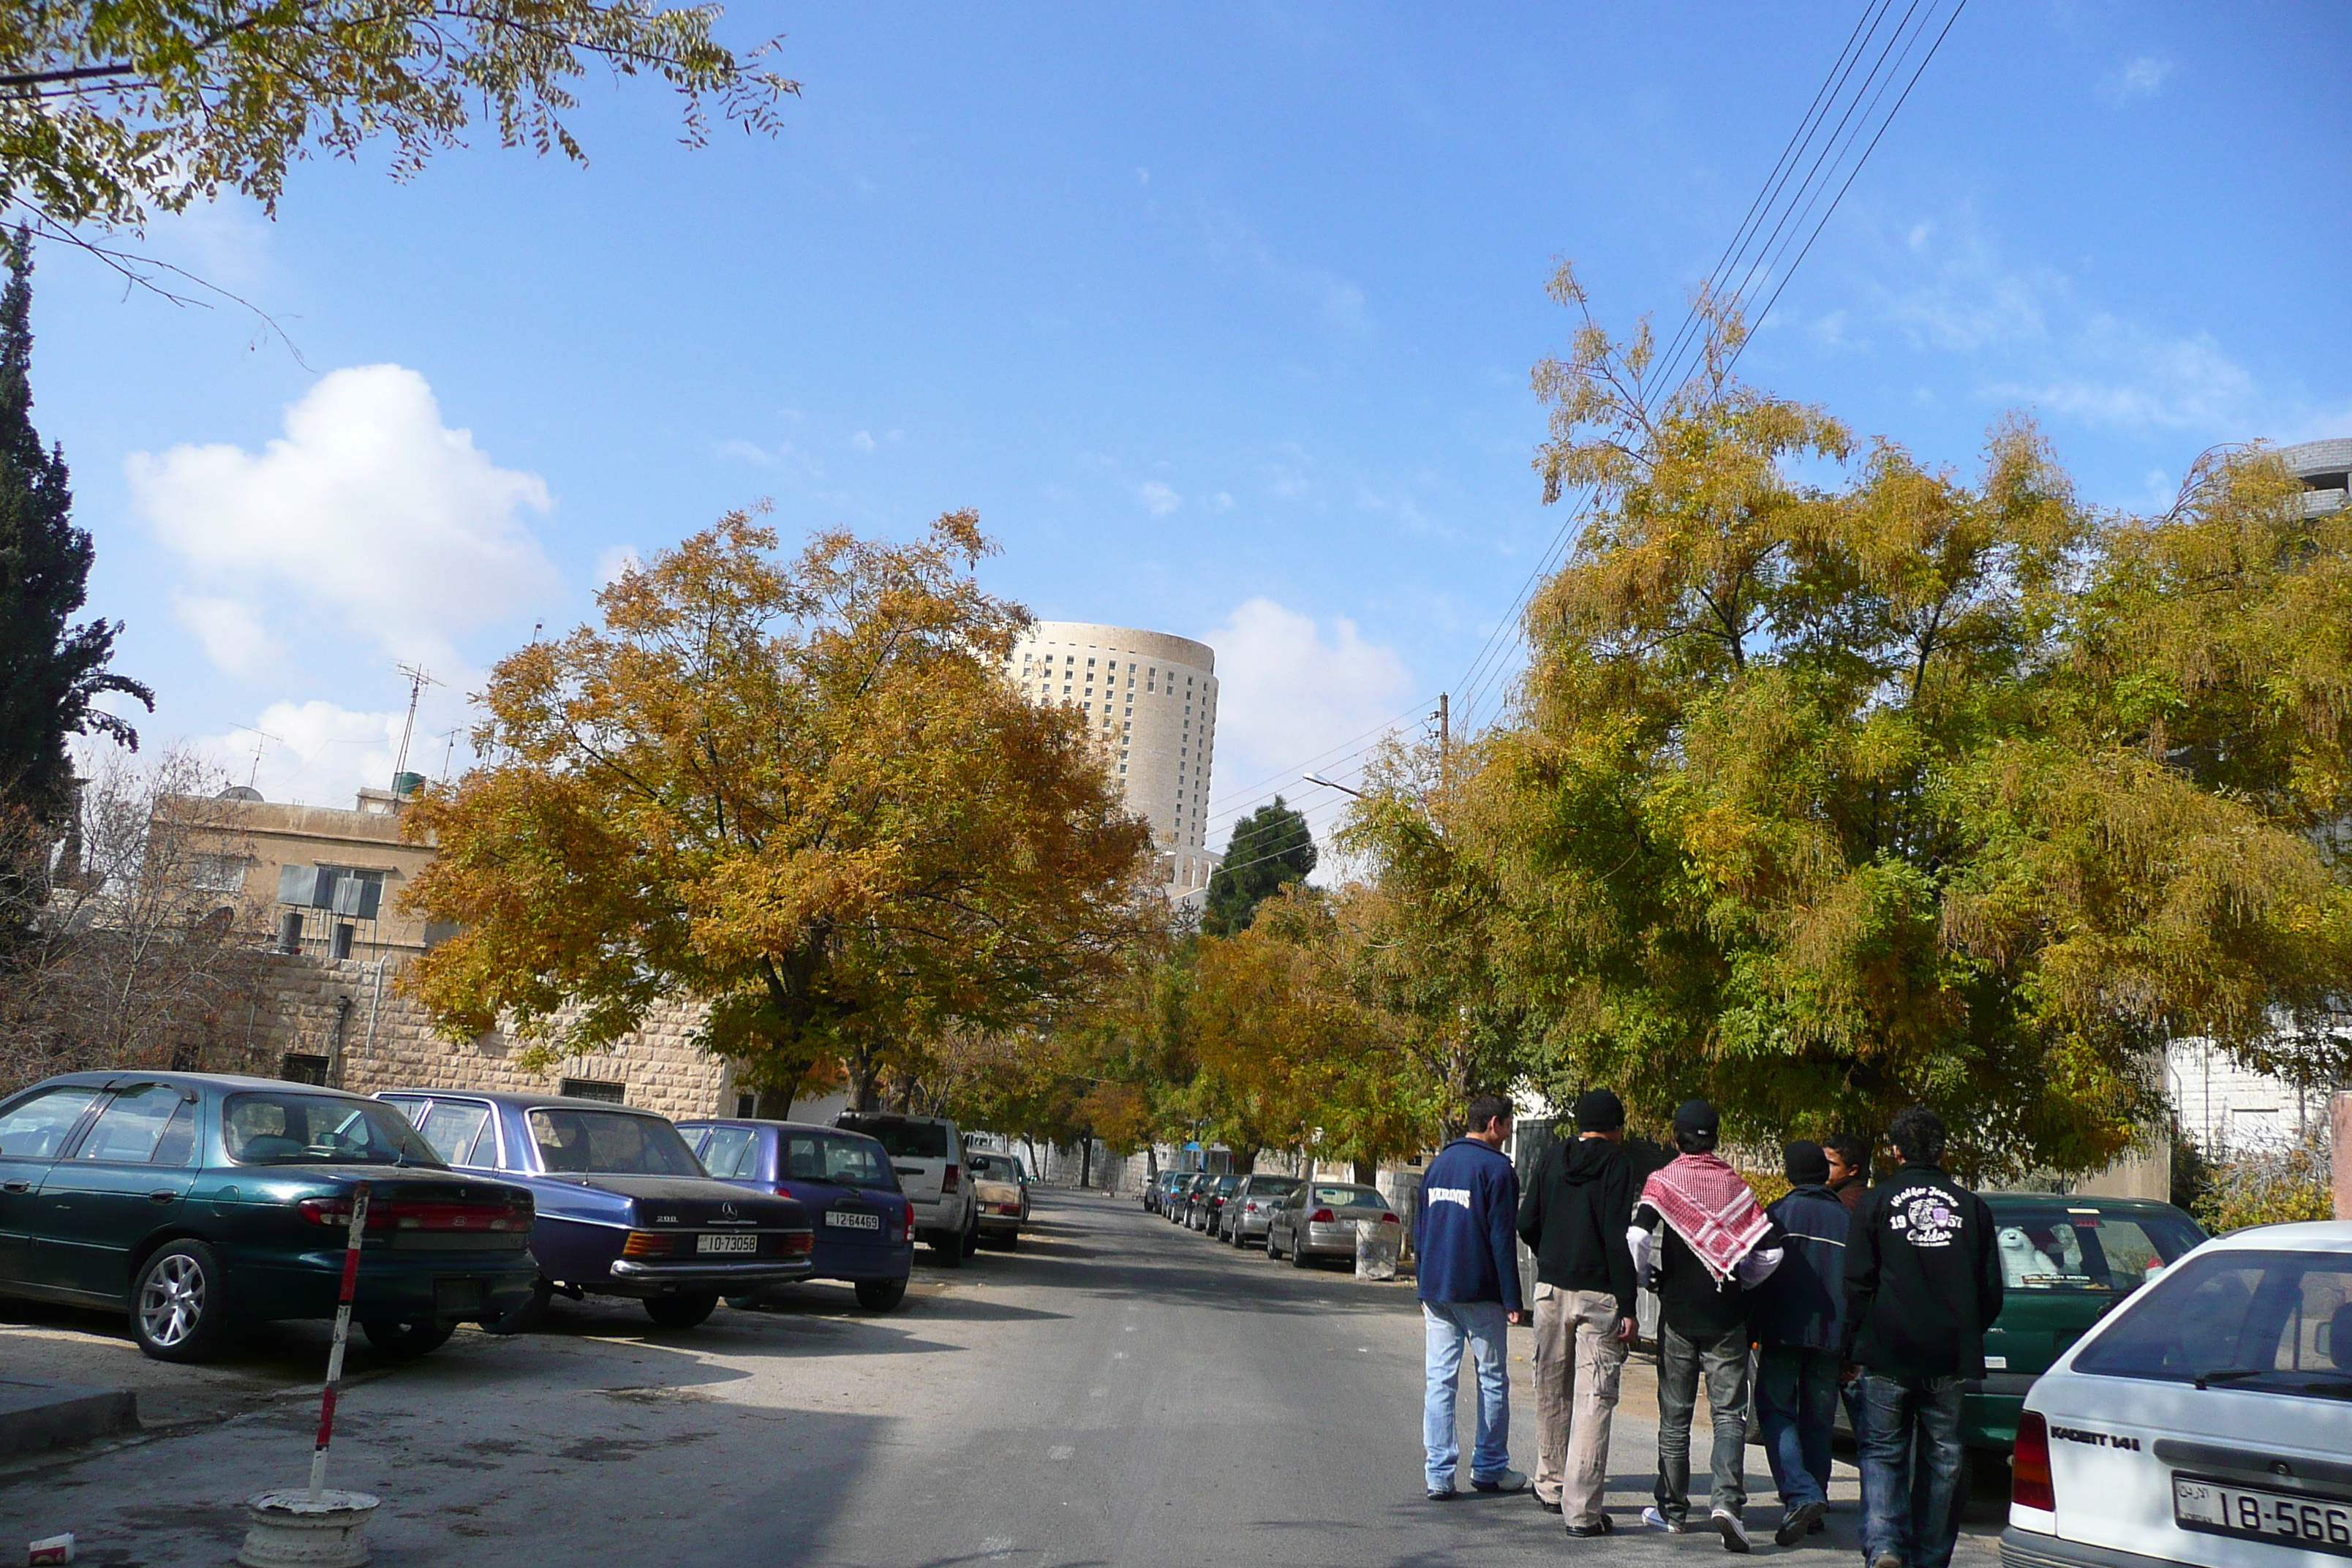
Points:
(928, 1153)
(2207, 1420)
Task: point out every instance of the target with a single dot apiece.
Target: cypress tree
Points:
(51, 671)
(1271, 847)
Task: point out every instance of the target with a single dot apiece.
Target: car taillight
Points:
(650, 1243)
(911, 1225)
(2028, 1466)
(514, 1215)
(1389, 1219)
(1322, 1217)
(799, 1243)
(947, 1179)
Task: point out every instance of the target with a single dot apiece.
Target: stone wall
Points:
(352, 1015)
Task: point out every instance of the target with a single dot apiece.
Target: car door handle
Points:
(162, 1195)
(15, 1187)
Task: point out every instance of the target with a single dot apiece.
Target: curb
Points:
(35, 1414)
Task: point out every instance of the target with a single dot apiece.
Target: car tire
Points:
(682, 1311)
(180, 1303)
(1272, 1252)
(1298, 1257)
(1010, 1241)
(880, 1294)
(408, 1337)
(972, 1235)
(947, 1251)
(526, 1315)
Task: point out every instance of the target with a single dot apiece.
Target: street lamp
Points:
(1329, 783)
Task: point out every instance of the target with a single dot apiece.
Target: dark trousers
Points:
(1723, 1358)
(1910, 1470)
(1796, 1407)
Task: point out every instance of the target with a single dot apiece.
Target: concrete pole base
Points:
(294, 1530)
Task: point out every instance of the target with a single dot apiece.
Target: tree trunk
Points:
(1085, 1162)
(1366, 1171)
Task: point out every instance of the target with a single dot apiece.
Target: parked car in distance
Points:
(1002, 1192)
(1210, 1201)
(624, 1208)
(1251, 1208)
(1181, 1196)
(865, 1227)
(2207, 1420)
(196, 1200)
(1155, 1191)
(928, 1153)
(1319, 1219)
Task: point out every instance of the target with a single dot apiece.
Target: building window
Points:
(298, 1068)
(219, 873)
(593, 1089)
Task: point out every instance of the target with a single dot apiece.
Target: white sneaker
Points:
(1656, 1520)
(1735, 1534)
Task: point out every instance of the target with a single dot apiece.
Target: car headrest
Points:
(2339, 1337)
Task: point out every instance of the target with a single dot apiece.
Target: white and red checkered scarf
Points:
(1710, 1207)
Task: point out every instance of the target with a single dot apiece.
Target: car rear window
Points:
(2077, 1247)
(453, 1128)
(844, 1162)
(1272, 1186)
(2277, 1322)
(610, 1143)
(1349, 1198)
(729, 1153)
(293, 1129)
(1226, 1184)
(904, 1140)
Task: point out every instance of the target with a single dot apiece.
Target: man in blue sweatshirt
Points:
(1465, 1235)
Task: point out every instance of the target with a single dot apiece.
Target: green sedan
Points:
(196, 1201)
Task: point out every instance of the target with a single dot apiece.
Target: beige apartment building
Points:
(1150, 699)
(329, 879)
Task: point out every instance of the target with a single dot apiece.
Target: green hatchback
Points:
(2065, 1262)
(195, 1200)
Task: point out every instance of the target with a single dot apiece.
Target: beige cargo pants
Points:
(1578, 1363)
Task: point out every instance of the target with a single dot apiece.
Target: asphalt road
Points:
(1117, 1392)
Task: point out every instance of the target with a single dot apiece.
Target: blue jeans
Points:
(1910, 1470)
(1796, 1407)
(1483, 1326)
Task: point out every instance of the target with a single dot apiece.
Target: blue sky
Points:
(1222, 317)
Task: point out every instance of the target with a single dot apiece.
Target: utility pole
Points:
(418, 679)
(1444, 738)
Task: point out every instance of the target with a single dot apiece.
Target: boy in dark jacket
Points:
(1799, 1318)
(1469, 1288)
(1579, 1200)
(1922, 1283)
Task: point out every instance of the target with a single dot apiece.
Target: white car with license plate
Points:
(2207, 1420)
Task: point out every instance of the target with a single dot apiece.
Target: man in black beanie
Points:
(1579, 1200)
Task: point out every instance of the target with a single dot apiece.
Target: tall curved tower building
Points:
(1151, 700)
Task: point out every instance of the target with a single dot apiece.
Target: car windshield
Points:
(2060, 1246)
(729, 1153)
(904, 1140)
(294, 1129)
(610, 1143)
(1349, 1198)
(843, 1161)
(1225, 1184)
(2277, 1322)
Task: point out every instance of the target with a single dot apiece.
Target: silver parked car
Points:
(1249, 1210)
(1319, 1219)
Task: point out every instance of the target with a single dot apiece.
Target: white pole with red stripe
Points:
(342, 1337)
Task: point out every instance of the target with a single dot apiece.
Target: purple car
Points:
(864, 1225)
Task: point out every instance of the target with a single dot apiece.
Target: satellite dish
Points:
(240, 792)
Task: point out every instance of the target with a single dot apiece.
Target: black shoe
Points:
(1819, 1527)
(1547, 1507)
(1602, 1525)
(1443, 1494)
(1798, 1523)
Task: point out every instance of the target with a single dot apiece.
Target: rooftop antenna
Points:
(418, 679)
(261, 740)
(448, 753)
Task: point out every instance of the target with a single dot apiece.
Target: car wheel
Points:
(408, 1336)
(972, 1235)
(947, 1251)
(1010, 1241)
(880, 1294)
(1297, 1255)
(179, 1302)
(1272, 1251)
(683, 1312)
(525, 1315)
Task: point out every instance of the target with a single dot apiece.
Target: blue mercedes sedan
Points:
(623, 1206)
(865, 1225)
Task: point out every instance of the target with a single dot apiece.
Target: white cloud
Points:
(233, 635)
(316, 753)
(2141, 77)
(2120, 376)
(1289, 694)
(863, 440)
(1157, 499)
(745, 451)
(615, 560)
(369, 519)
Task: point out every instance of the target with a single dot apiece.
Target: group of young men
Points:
(1878, 1296)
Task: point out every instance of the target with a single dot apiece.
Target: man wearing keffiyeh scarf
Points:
(1711, 1244)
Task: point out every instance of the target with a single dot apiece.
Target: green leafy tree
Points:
(116, 109)
(1822, 799)
(1271, 847)
(53, 669)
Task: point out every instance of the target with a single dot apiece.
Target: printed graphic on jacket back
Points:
(1924, 1215)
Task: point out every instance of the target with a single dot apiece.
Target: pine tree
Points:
(1270, 848)
(51, 672)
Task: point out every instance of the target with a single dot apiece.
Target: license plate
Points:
(852, 1220)
(726, 1243)
(2313, 1523)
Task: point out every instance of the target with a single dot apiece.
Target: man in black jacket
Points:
(1922, 1283)
(1579, 1199)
